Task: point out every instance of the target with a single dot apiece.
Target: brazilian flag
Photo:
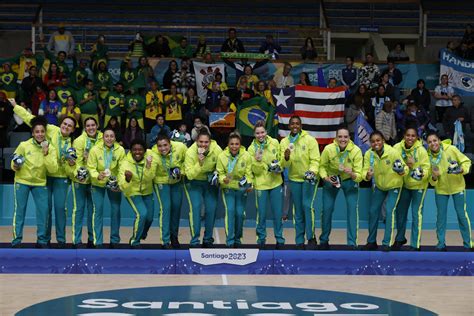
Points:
(250, 112)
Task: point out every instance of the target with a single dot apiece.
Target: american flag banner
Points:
(321, 110)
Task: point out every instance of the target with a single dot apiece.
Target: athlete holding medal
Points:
(200, 169)
(168, 187)
(341, 168)
(57, 182)
(448, 166)
(81, 188)
(415, 184)
(267, 181)
(32, 159)
(235, 177)
(384, 166)
(135, 179)
(103, 165)
(301, 156)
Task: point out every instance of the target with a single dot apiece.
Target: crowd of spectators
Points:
(140, 105)
(465, 47)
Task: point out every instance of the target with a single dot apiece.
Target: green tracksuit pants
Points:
(304, 195)
(98, 196)
(81, 200)
(416, 198)
(234, 204)
(460, 206)
(276, 200)
(351, 192)
(196, 192)
(169, 198)
(20, 197)
(142, 206)
(57, 198)
(378, 197)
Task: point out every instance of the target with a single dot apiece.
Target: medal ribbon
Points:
(137, 167)
(404, 154)
(62, 149)
(90, 142)
(293, 139)
(108, 156)
(163, 161)
(342, 158)
(231, 164)
(259, 145)
(372, 162)
(436, 161)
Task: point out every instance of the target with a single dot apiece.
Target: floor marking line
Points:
(224, 279)
(216, 232)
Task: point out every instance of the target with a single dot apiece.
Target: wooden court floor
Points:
(338, 236)
(443, 295)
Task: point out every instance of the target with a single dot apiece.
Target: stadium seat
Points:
(7, 157)
(148, 140)
(17, 137)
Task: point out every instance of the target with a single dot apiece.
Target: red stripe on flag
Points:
(328, 115)
(324, 141)
(319, 89)
(285, 115)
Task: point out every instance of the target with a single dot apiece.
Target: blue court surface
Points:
(222, 300)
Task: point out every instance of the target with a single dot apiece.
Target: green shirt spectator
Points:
(183, 50)
(79, 74)
(89, 102)
(8, 80)
(64, 91)
(114, 103)
(60, 60)
(24, 60)
(103, 80)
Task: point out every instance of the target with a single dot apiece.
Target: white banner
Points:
(460, 72)
(239, 257)
(205, 74)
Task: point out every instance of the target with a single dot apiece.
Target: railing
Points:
(324, 25)
(188, 30)
(423, 24)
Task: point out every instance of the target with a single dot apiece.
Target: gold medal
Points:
(107, 172)
(201, 150)
(341, 167)
(291, 147)
(44, 143)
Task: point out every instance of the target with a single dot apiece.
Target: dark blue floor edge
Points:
(84, 261)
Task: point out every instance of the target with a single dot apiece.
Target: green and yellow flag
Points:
(252, 111)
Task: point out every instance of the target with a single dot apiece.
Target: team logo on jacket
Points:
(387, 162)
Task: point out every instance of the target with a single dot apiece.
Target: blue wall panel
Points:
(429, 218)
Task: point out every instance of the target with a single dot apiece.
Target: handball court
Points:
(450, 295)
